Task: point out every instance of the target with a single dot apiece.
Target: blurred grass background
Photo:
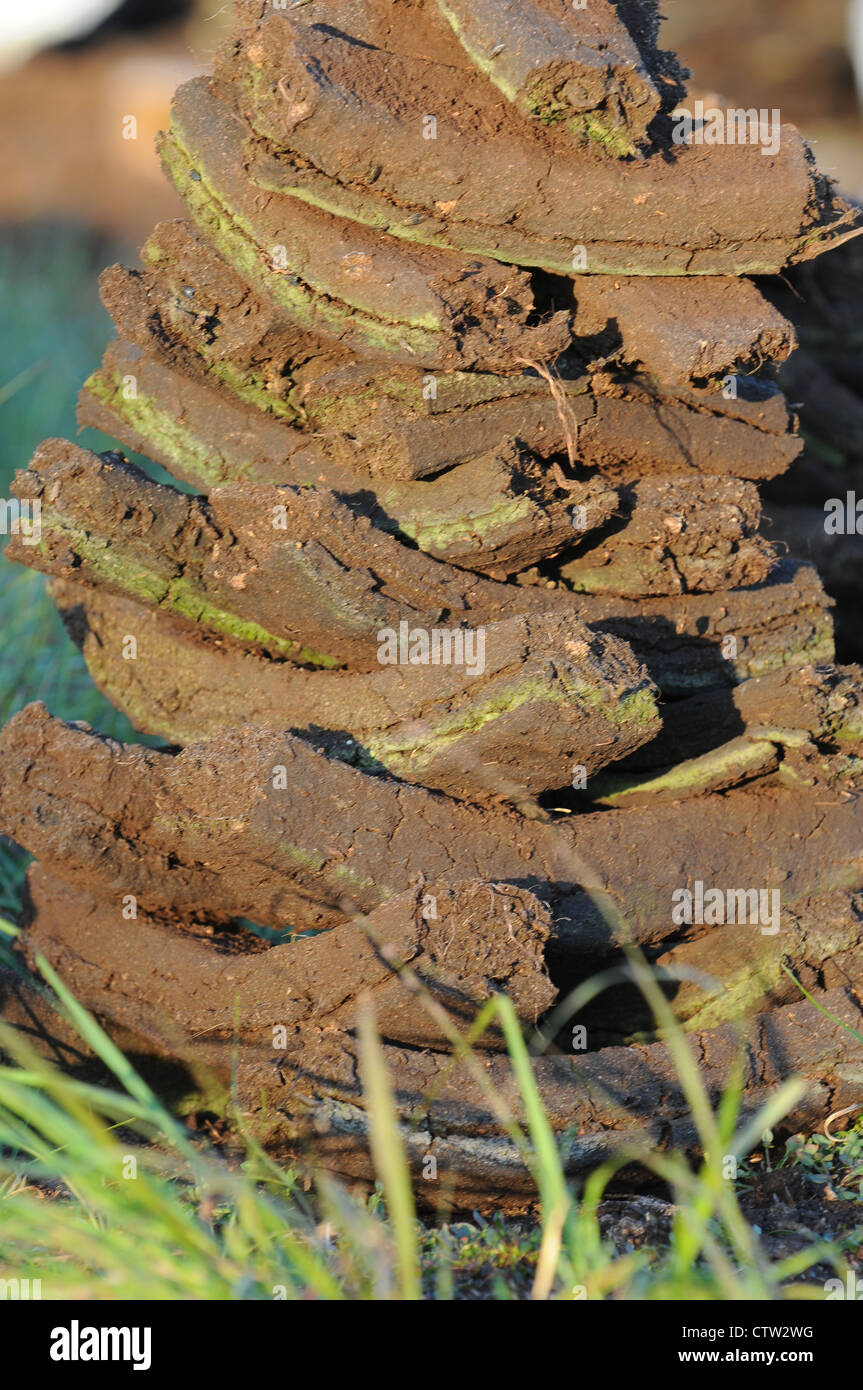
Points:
(55, 333)
(56, 330)
(75, 196)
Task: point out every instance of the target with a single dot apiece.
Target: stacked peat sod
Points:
(455, 341)
(815, 510)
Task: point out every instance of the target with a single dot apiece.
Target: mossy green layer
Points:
(744, 988)
(438, 535)
(192, 458)
(416, 224)
(252, 390)
(409, 754)
(483, 63)
(818, 650)
(538, 101)
(433, 532)
(738, 758)
(122, 572)
(235, 239)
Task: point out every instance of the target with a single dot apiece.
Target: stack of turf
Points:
(469, 653)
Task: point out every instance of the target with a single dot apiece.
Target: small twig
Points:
(566, 415)
(837, 1115)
